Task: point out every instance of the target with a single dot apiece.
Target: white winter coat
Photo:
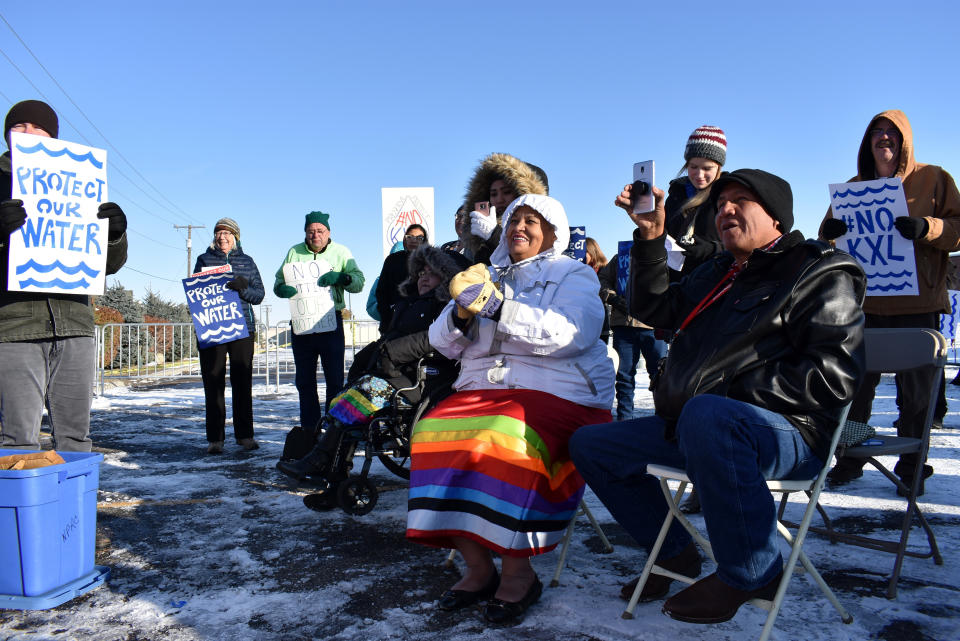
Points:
(548, 335)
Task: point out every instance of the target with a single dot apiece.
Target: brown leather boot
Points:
(710, 600)
(686, 563)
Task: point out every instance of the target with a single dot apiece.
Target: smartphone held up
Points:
(482, 207)
(643, 182)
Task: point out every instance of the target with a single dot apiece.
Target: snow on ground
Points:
(221, 547)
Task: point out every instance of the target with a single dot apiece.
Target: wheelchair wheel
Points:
(399, 461)
(357, 496)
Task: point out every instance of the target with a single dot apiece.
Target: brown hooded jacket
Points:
(932, 195)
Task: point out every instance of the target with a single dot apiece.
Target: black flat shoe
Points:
(499, 611)
(456, 599)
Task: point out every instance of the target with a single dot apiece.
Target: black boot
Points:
(313, 464)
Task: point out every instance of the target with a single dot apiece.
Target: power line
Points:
(151, 239)
(63, 117)
(170, 280)
(82, 113)
(180, 212)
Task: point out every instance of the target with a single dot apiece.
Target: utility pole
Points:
(189, 229)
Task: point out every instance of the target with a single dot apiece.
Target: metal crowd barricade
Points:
(127, 351)
(138, 351)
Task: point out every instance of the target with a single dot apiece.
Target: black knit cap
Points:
(34, 112)
(773, 192)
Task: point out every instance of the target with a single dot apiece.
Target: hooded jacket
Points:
(522, 177)
(787, 336)
(548, 334)
(932, 195)
(242, 265)
(28, 316)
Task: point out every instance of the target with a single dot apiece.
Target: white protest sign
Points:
(402, 207)
(869, 208)
(311, 309)
(62, 247)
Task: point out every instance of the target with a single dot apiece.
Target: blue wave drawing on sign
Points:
(219, 330)
(887, 288)
(863, 203)
(866, 190)
(57, 153)
(43, 269)
(903, 274)
(203, 279)
(56, 282)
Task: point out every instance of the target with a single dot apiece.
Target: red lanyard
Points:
(726, 282)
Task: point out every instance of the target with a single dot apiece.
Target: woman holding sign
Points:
(225, 250)
(490, 466)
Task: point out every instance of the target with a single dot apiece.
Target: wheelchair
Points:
(386, 437)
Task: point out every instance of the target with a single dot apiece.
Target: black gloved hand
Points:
(911, 228)
(12, 217)
(238, 284)
(118, 220)
(833, 228)
(698, 251)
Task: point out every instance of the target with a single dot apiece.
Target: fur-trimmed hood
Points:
(523, 177)
(446, 263)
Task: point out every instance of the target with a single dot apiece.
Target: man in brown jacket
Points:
(934, 227)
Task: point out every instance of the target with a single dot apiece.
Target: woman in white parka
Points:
(490, 469)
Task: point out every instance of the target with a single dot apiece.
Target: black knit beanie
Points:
(34, 112)
(773, 192)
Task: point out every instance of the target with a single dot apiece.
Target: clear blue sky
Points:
(265, 111)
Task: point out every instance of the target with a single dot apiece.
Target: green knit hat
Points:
(317, 217)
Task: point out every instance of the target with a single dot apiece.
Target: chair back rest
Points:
(891, 350)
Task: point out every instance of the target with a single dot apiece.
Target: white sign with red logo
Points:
(402, 207)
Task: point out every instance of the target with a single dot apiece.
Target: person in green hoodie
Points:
(328, 347)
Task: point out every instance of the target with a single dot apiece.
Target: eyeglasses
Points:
(892, 132)
(416, 237)
(221, 233)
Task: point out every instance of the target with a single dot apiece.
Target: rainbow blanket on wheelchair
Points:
(365, 397)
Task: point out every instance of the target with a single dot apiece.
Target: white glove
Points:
(482, 225)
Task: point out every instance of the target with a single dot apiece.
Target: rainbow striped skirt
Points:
(493, 466)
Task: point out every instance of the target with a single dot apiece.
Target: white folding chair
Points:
(893, 351)
(564, 548)
(812, 490)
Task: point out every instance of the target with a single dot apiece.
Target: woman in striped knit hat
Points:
(690, 220)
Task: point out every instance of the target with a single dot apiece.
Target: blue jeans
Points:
(328, 347)
(728, 448)
(630, 343)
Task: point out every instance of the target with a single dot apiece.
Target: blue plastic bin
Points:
(48, 529)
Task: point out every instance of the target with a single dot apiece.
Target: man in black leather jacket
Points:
(767, 350)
